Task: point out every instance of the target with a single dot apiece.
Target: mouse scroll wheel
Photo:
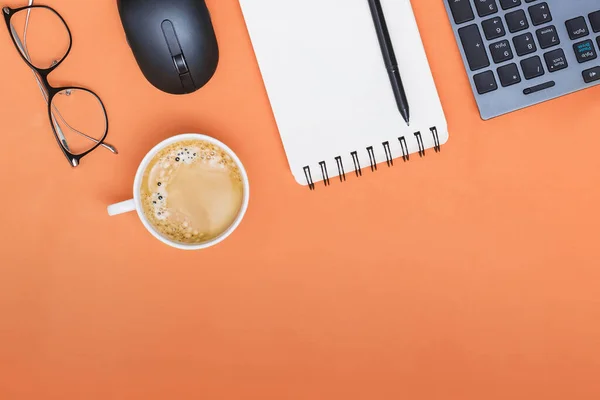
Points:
(180, 64)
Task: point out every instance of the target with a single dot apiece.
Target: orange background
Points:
(472, 274)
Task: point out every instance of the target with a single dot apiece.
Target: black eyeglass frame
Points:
(51, 91)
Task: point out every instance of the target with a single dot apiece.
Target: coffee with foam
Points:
(192, 191)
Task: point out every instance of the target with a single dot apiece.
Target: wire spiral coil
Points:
(372, 160)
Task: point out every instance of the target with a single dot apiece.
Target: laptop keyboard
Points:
(522, 52)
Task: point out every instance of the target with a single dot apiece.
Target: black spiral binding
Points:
(420, 143)
(307, 174)
(341, 172)
(372, 161)
(388, 154)
(436, 139)
(357, 168)
(404, 146)
(324, 173)
(372, 158)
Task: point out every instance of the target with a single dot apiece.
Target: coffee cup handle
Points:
(121, 208)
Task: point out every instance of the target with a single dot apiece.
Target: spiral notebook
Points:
(329, 89)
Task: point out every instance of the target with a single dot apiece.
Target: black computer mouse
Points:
(173, 42)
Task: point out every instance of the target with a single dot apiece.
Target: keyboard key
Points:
(493, 28)
(509, 75)
(532, 67)
(506, 4)
(585, 51)
(516, 21)
(540, 87)
(577, 28)
(556, 60)
(591, 75)
(548, 37)
(486, 7)
(540, 14)
(595, 21)
(524, 44)
(461, 11)
(485, 82)
(474, 48)
(501, 51)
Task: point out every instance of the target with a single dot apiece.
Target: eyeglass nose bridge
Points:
(6, 10)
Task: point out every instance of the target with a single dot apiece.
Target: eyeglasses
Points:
(77, 115)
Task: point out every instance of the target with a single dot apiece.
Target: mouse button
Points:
(187, 82)
(171, 38)
(180, 64)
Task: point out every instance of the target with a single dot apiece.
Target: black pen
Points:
(391, 64)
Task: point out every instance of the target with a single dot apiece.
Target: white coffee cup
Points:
(135, 203)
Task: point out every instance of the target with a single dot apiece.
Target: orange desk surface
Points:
(469, 275)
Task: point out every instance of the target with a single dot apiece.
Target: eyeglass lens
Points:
(79, 117)
(41, 35)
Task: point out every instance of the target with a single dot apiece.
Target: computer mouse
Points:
(173, 42)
